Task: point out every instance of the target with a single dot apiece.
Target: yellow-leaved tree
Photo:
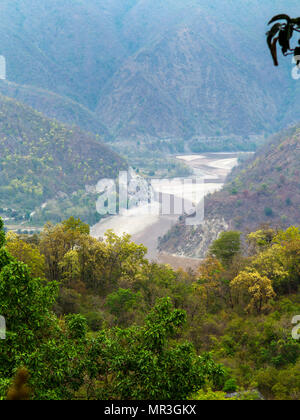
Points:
(27, 253)
(211, 285)
(253, 291)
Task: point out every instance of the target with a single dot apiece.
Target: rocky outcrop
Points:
(264, 190)
(193, 241)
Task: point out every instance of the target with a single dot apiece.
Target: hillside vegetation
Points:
(43, 160)
(55, 106)
(264, 190)
(169, 70)
(112, 325)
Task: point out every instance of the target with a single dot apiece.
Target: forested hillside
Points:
(154, 70)
(111, 325)
(262, 190)
(55, 106)
(95, 87)
(43, 160)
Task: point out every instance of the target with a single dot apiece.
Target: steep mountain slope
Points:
(59, 46)
(55, 106)
(263, 190)
(41, 159)
(204, 77)
(163, 69)
(181, 87)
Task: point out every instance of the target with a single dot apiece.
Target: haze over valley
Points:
(149, 202)
(145, 229)
(151, 71)
(169, 77)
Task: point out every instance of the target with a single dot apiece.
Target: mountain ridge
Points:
(54, 106)
(155, 70)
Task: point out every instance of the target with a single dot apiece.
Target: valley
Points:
(149, 201)
(134, 70)
(147, 229)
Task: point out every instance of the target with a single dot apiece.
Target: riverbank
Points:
(146, 229)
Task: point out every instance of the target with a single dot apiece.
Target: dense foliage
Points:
(60, 359)
(110, 324)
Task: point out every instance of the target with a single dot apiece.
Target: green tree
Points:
(253, 290)
(51, 350)
(226, 247)
(27, 253)
(76, 225)
(57, 241)
(124, 304)
(147, 363)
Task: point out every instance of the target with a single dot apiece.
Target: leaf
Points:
(273, 49)
(273, 31)
(280, 17)
(284, 39)
(272, 43)
(296, 21)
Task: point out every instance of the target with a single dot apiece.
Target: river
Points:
(147, 228)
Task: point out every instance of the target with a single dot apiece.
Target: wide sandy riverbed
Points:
(147, 228)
